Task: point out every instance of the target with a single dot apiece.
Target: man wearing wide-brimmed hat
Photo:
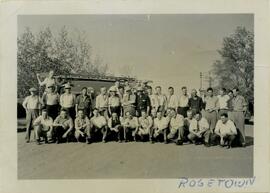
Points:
(102, 101)
(142, 102)
(129, 101)
(68, 100)
(50, 100)
(31, 106)
(114, 102)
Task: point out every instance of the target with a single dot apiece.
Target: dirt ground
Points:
(132, 160)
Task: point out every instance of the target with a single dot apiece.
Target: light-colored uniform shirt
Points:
(114, 101)
(102, 101)
(239, 103)
(153, 101)
(211, 103)
(133, 123)
(31, 102)
(146, 122)
(225, 128)
(172, 101)
(162, 123)
(161, 100)
(51, 98)
(79, 122)
(67, 100)
(223, 101)
(67, 122)
(177, 121)
(197, 126)
(99, 121)
(45, 123)
(183, 101)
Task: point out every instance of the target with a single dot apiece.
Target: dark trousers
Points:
(96, 132)
(31, 115)
(71, 111)
(227, 138)
(52, 111)
(182, 111)
(162, 136)
(59, 131)
(116, 110)
(112, 135)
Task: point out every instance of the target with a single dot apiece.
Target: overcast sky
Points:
(169, 49)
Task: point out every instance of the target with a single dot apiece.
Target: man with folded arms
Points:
(226, 130)
(131, 126)
(145, 126)
(115, 127)
(43, 126)
(160, 127)
(99, 125)
(199, 130)
(63, 127)
(176, 127)
(82, 127)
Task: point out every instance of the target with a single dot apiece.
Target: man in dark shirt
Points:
(142, 102)
(83, 102)
(195, 102)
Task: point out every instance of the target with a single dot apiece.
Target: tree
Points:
(236, 66)
(38, 53)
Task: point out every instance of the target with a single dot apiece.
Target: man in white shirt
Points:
(68, 101)
(153, 99)
(187, 122)
(176, 127)
(43, 126)
(199, 130)
(162, 100)
(31, 104)
(223, 100)
(98, 125)
(131, 126)
(172, 99)
(82, 127)
(102, 102)
(183, 102)
(226, 130)
(160, 127)
(145, 125)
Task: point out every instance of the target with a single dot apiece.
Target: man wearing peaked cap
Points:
(68, 100)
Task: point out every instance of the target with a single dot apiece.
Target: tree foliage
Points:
(236, 66)
(65, 54)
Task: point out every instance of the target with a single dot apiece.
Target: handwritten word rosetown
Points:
(216, 182)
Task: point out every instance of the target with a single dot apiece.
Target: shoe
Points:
(88, 141)
(165, 142)
(120, 141)
(228, 147)
(243, 145)
(27, 141)
(207, 145)
(104, 141)
(125, 141)
(37, 142)
(57, 142)
(197, 143)
(46, 141)
(179, 142)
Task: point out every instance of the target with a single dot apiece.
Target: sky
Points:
(170, 49)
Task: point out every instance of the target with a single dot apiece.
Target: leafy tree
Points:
(236, 66)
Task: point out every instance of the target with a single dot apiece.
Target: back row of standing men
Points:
(126, 100)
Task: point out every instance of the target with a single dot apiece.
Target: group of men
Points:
(126, 114)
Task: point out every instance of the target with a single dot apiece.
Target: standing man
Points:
(48, 80)
(31, 105)
(51, 101)
(183, 102)
(145, 125)
(129, 102)
(82, 127)
(99, 125)
(160, 127)
(199, 130)
(195, 103)
(115, 127)
(83, 102)
(43, 127)
(68, 101)
(102, 102)
(162, 100)
(153, 99)
(131, 125)
(230, 106)
(63, 127)
(172, 99)
(239, 106)
(223, 99)
(142, 102)
(114, 102)
(211, 108)
(226, 130)
(176, 127)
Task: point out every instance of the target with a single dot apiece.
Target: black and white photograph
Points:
(110, 96)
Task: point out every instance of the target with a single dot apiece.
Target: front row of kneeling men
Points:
(156, 127)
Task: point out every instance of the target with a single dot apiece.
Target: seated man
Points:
(63, 127)
(187, 122)
(176, 127)
(160, 126)
(199, 130)
(130, 125)
(82, 127)
(145, 125)
(226, 130)
(115, 126)
(98, 125)
(43, 126)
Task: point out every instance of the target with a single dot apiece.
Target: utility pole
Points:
(210, 79)
(201, 80)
